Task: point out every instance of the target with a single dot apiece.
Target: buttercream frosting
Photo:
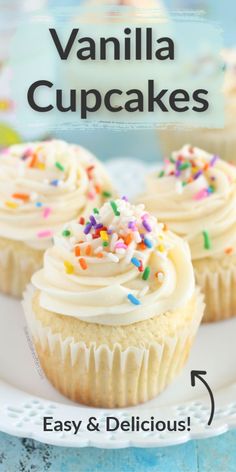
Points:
(118, 267)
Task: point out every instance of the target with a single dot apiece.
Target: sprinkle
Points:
(98, 226)
(91, 195)
(45, 234)
(104, 235)
(92, 219)
(211, 189)
(97, 188)
(66, 233)
(114, 208)
(141, 269)
(21, 196)
(60, 166)
(132, 225)
(100, 255)
(146, 225)
(83, 263)
(96, 211)
(12, 205)
(124, 198)
(198, 173)
(135, 261)
(161, 248)
(120, 246)
(106, 194)
(213, 160)
(88, 250)
(105, 243)
(161, 173)
(228, 250)
(81, 220)
(128, 239)
(146, 273)
(33, 160)
(160, 276)
(69, 267)
(203, 193)
(147, 243)
(112, 257)
(133, 299)
(207, 241)
(38, 204)
(77, 251)
(55, 182)
(46, 212)
(87, 228)
(184, 166)
(142, 246)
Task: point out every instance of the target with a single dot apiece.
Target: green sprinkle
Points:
(184, 166)
(161, 173)
(59, 166)
(184, 183)
(146, 273)
(172, 160)
(66, 233)
(96, 211)
(211, 188)
(106, 194)
(105, 243)
(207, 241)
(114, 208)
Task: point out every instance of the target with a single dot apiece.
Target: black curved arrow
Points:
(198, 374)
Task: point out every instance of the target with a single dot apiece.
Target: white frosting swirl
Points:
(94, 276)
(196, 206)
(45, 184)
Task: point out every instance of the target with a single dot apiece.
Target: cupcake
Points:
(195, 195)
(114, 311)
(42, 185)
(221, 141)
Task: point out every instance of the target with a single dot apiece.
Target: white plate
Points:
(26, 396)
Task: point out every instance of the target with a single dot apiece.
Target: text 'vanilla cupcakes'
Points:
(42, 185)
(195, 194)
(114, 311)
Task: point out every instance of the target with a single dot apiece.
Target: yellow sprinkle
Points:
(11, 204)
(41, 166)
(161, 248)
(104, 235)
(69, 267)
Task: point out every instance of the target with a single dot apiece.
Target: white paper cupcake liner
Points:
(218, 284)
(104, 377)
(17, 267)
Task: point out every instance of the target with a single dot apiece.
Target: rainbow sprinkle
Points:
(207, 241)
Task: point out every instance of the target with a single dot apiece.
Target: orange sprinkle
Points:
(228, 250)
(99, 255)
(33, 161)
(83, 263)
(77, 251)
(206, 166)
(97, 188)
(21, 196)
(88, 250)
(165, 227)
(128, 239)
(142, 246)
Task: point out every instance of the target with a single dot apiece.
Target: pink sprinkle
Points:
(203, 193)
(46, 212)
(121, 246)
(91, 195)
(45, 234)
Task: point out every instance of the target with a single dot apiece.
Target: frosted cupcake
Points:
(217, 141)
(42, 185)
(195, 194)
(114, 311)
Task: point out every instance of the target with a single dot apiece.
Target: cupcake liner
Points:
(217, 280)
(220, 142)
(17, 265)
(104, 377)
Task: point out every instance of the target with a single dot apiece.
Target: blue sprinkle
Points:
(136, 262)
(147, 243)
(133, 299)
(38, 204)
(55, 182)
